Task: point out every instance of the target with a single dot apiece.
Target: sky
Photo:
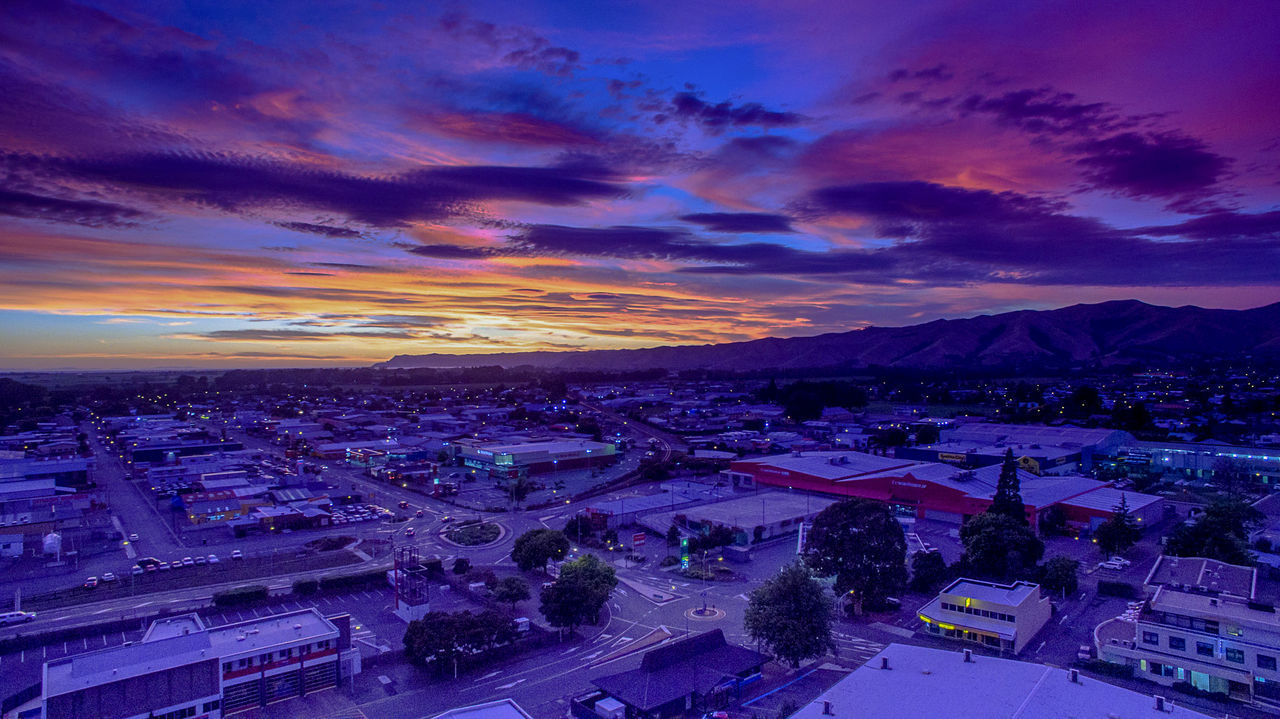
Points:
(249, 184)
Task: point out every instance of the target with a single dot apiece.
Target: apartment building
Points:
(1214, 642)
(1000, 616)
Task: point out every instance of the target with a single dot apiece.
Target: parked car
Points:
(188, 562)
(145, 562)
(237, 554)
(109, 577)
(137, 571)
(16, 617)
(163, 566)
(1121, 561)
(91, 583)
(1085, 652)
(133, 537)
(200, 561)
(213, 559)
(1108, 564)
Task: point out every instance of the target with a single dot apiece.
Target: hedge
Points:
(351, 581)
(240, 596)
(306, 587)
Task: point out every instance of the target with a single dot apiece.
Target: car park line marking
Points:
(1065, 617)
(1041, 646)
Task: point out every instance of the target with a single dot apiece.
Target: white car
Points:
(1110, 565)
(133, 537)
(1121, 561)
(213, 559)
(237, 554)
(109, 577)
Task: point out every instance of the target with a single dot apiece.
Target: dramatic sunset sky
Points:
(226, 183)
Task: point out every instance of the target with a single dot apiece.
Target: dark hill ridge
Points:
(1109, 332)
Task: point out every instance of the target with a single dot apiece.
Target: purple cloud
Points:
(54, 209)
(1172, 167)
(718, 117)
(740, 221)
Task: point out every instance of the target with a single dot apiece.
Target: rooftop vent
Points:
(884, 662)
(826, 709)
(968, 655)
(1160, 704)
(1074, 676)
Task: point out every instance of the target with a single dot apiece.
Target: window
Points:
(1150, 638)
(210, 706)
(1204, 649)
(1178, 643)
(1266, 662)
(1235, 655)
(226, 666)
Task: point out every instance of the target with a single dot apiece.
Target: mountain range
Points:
(1094, 334)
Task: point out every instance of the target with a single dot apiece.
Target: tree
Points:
(579, 527)
(537, 547)
(579, 593)
(928, 434)
(1230, 477)
(1119, 532)
(861, 544)
(1220, 533)
(791, 615)
(673, 535)
(442, 639)
(998, 547)
(928, 572)
(510, 590)
(1008, 497)
(1060, 575)
(1053, 522)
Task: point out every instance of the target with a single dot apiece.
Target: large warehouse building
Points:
(927, 490)
(502, 459)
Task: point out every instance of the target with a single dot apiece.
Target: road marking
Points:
(593, 656)
(1065, 617)
(571, 651)
(620, 591)
(743, 597)
(491, 674)
(1041, 646)
(508, 686)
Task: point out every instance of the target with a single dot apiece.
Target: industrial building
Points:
(505, 460)
(943, 492)
(908, 682)
(1064, 449)
(183, 669)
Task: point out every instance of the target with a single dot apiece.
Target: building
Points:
(1201, 460)
(910, 682)
(537, 457)
(497, 709)
(1215, 643)
(928, 490)
(182, 669)
(1035, 458)
(1084, 444)
(1209, 576)
(1001, 616)
(697, 673)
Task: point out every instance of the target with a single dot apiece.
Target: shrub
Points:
(240, 596)
(1101, 666)
(1192, 690)
(669, 561)
(306, 587)
(1117, 589)
(349, 581)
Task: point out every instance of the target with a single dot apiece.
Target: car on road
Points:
(109, 577)
(137, 571)
(404, 504)
(237, 554)
(410, 532)
(16, 617)
(200, 561)
(213, 559)
(133, 537)
(91, 583)
(418, 514)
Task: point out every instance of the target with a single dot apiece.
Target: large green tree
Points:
(1220, 533)
(510, 590)
(861, 544)
(1008, 497)
(535, 548)
(928, 572)
(1119, 532)
(1000, 548)
(791, 615)
(579, 593)
(1059, 575)
(441, 639)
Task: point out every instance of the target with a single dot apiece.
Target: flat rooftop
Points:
(1008, 594)
(1194, 604)
(763, 508)
(272, 631)
(123, 662)
(499, 709)
(993, 450)
(1208, 574)
(939, 684)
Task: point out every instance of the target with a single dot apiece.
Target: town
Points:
(537, 544)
